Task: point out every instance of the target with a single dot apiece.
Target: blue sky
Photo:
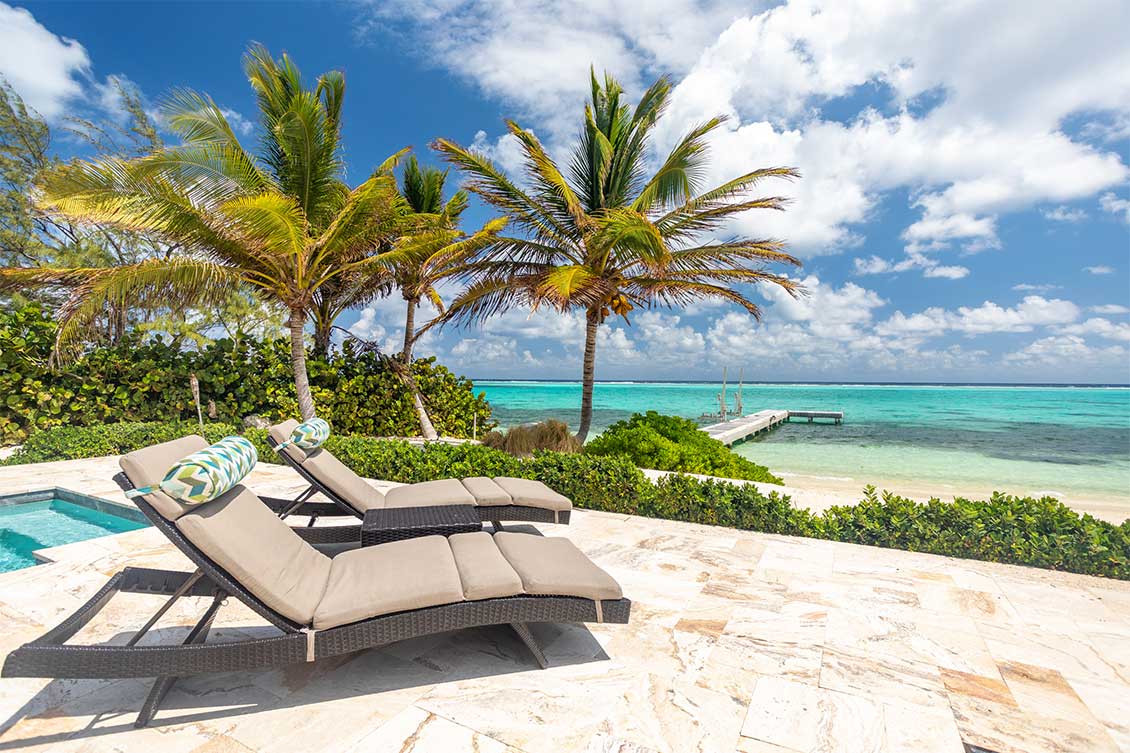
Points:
(964, 213)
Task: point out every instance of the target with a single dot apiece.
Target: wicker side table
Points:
(396, 523)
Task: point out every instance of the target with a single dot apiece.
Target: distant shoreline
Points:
(1083, 385)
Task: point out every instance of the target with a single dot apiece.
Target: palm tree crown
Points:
(611, 236)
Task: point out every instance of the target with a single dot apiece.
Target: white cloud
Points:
(992, 144)
(1111, 308)
(1070, 352)
(1100, 269)
(536, 55)
(1102, 327)
(914, 259)
(1115, 205)
(1032, 312)
(1064, 214)
(1035, 288)
(46, 70)
(239, 124)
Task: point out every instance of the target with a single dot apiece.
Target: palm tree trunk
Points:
(427, 430)
(298, 362)
(592, 322)
(409, 329)
(322, 338)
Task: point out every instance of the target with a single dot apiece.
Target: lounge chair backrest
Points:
(239, 533)
(146, 467)
(324, 466)
(281, 433)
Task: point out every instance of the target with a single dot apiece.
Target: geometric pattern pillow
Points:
(309, 434)
(208, 473)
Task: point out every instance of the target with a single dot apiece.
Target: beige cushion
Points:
(342, 481)
(241, 535)
(409, 574)
(529, 493)
(555, 567)
(483, 570)
(281, 433)
(445, 491)
(486, 492)
(146, 467)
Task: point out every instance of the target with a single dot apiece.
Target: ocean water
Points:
(1030, 438)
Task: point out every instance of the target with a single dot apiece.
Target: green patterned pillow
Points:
(208, 473)
(308, 435)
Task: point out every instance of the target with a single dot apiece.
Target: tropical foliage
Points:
(32, 236)
(610, 236)
(1019, 530)
(281, 222)
(150, 380)
(671, 443)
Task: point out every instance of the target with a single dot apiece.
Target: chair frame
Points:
(51, 656)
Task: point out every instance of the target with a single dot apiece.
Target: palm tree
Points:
(431, 250)
(611, 237)
(281, 223)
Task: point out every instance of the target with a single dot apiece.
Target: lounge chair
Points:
(495, 499)
(323, 606)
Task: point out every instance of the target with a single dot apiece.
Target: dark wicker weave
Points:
(50, 656)
(397, 523)
(487, 513)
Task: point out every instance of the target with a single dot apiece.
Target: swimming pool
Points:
(52, 517)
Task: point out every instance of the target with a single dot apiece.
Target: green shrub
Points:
(1019, 530)
(521, 441)
(1022, 530)
(670, 443)
(149, 381)
(73, 442)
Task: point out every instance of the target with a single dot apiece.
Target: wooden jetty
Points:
(835, 415)
(744, 427)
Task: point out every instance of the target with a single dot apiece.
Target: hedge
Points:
(150, 381)
(671, 443)
(1018, 530)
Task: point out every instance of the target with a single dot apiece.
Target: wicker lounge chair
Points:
(323, 606)
(495, 499)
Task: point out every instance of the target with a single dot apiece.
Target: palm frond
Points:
(174, 281)
(677, 179)
(490, 184)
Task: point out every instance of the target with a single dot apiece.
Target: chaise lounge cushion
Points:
(393, 577)
(483, 570)
(486, 492)
(529, 493)
(241, 534)
(336, 475)
(551, 566)
(444, 491)
(147, 467)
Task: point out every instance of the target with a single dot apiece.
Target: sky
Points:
(964, 207)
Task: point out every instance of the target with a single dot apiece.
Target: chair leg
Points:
(497, 525)
(162, 685)
(523, 631)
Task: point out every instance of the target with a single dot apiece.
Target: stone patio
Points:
(738, 642)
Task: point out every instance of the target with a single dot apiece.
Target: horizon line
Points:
(840, 383)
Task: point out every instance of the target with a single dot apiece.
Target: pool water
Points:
(28, 526)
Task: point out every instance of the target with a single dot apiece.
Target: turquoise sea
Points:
(1012, 438)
